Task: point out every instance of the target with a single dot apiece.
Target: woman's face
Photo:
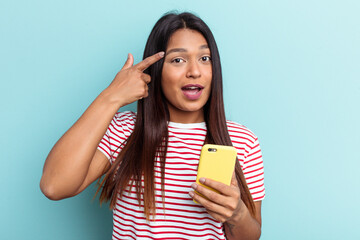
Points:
(186, 76)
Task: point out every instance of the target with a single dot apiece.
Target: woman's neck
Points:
(179, 116)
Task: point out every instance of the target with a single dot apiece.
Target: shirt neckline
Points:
(187, 125)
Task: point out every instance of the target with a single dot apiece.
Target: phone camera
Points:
(212, 149)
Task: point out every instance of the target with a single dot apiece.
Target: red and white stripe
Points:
(178, 217)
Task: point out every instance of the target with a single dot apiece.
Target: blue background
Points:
(291, 74)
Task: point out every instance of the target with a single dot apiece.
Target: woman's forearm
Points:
(245, 227)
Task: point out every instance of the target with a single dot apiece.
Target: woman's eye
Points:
(177, 60)
(205, 58)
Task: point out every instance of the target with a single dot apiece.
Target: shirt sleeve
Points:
(253, 170)
(120, 128)
(104, 145)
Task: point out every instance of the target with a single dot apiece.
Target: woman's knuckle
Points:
(228, 215)
(208, 205)
(237, 195)
(232, 206)
(130, 70)
(205, 204)
(212, 195)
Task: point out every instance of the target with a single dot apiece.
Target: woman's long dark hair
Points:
(150, 136)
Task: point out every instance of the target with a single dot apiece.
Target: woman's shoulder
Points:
(123, 121)
(126, 116)
(237, 130)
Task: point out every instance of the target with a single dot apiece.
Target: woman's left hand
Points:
(224, 206)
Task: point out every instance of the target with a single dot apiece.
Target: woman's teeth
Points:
(191, 88)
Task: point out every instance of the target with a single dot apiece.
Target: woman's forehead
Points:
(186, 40)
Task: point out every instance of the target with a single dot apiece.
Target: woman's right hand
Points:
(130, 83)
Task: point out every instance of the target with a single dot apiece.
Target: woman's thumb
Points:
(129, 61)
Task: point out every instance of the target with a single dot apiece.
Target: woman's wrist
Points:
(109, 98)
(242, 225)
(239, 214)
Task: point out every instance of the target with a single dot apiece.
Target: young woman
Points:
(150, 158)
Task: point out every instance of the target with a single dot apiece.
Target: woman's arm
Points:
(67, 164)
(245, 227)
(228, 208)
(74, 162)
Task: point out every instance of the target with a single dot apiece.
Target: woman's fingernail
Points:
(202, 180)
(191, 194)
(161, 54)
(194, 186)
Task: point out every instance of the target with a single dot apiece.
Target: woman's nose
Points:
(193, 70)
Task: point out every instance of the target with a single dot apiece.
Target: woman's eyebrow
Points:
(205, 46)
(176, 50)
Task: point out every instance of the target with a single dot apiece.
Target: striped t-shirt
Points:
(180, 217)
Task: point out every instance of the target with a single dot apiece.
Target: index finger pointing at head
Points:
(147, 62)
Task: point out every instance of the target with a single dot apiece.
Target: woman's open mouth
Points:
(192, 91)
